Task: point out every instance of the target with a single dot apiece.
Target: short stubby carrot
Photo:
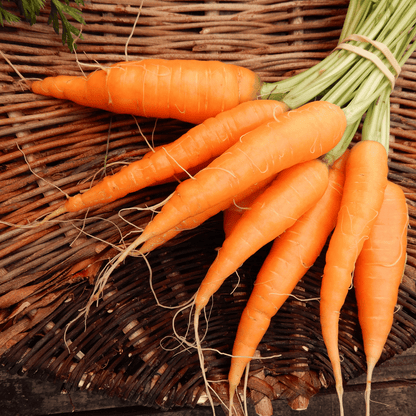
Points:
(294, 137)
(187, 90)
(365, 182)
(377, 276)
(290, 257)
(199, 145)
(294, 191)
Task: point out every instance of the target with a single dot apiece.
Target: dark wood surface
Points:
(394, 394)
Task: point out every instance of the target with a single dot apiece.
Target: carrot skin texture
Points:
(378, 274)
(365, 182)
(294, 137)
(193, 222)
(234, 212)
(187, 90)
(289, 196)
(199, 145)
(290, 257)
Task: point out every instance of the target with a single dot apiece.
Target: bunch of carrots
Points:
(281, 168)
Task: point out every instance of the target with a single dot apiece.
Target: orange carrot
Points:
(295, 137)
(288, 197)
(193, 222)
(234, 212)
(199, 145)
(182, 174)
(186, 90)
(377, 276)
(290, 257)
(366, 179)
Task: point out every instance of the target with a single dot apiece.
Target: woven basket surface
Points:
(50, 148)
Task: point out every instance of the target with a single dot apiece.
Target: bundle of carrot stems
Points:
(282, 169)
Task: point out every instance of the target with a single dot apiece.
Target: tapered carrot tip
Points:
(61, 210)
(370, 368)
(232, 390)
(28, 83)
(340, 393)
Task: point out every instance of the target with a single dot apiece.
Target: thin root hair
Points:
(132, 31)
(150, 146)
(180, 166)
(39, 177)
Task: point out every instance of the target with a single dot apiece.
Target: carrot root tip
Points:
(370, 367)
(59, 211)
(232, 390)
(340, 393)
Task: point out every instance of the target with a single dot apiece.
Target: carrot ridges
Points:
(158, 88)
(377, 276)
(366, 180)
(288, 197)
(294, 137)
(291, 255)
(194, 149)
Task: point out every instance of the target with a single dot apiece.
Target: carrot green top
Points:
(385, 30)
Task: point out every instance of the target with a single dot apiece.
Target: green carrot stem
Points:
(376, 125)
(354, 82)
(386, 21)
(357, 11)
(343, 144)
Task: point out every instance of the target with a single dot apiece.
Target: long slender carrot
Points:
(377, 276)
(193, 222)
(294, 137)
(287, 198)
(366, 179)
(199, 145)
(290, 257)
(187, 90)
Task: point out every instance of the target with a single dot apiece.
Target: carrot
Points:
(195, 221)
(199, 145)
(288, 197)
(182, 174)
(234, 212)
(366, 179)
(377, 276)
(187, 90)
(290, 257)
(295, 137)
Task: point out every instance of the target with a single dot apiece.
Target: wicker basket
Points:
(49, 148)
